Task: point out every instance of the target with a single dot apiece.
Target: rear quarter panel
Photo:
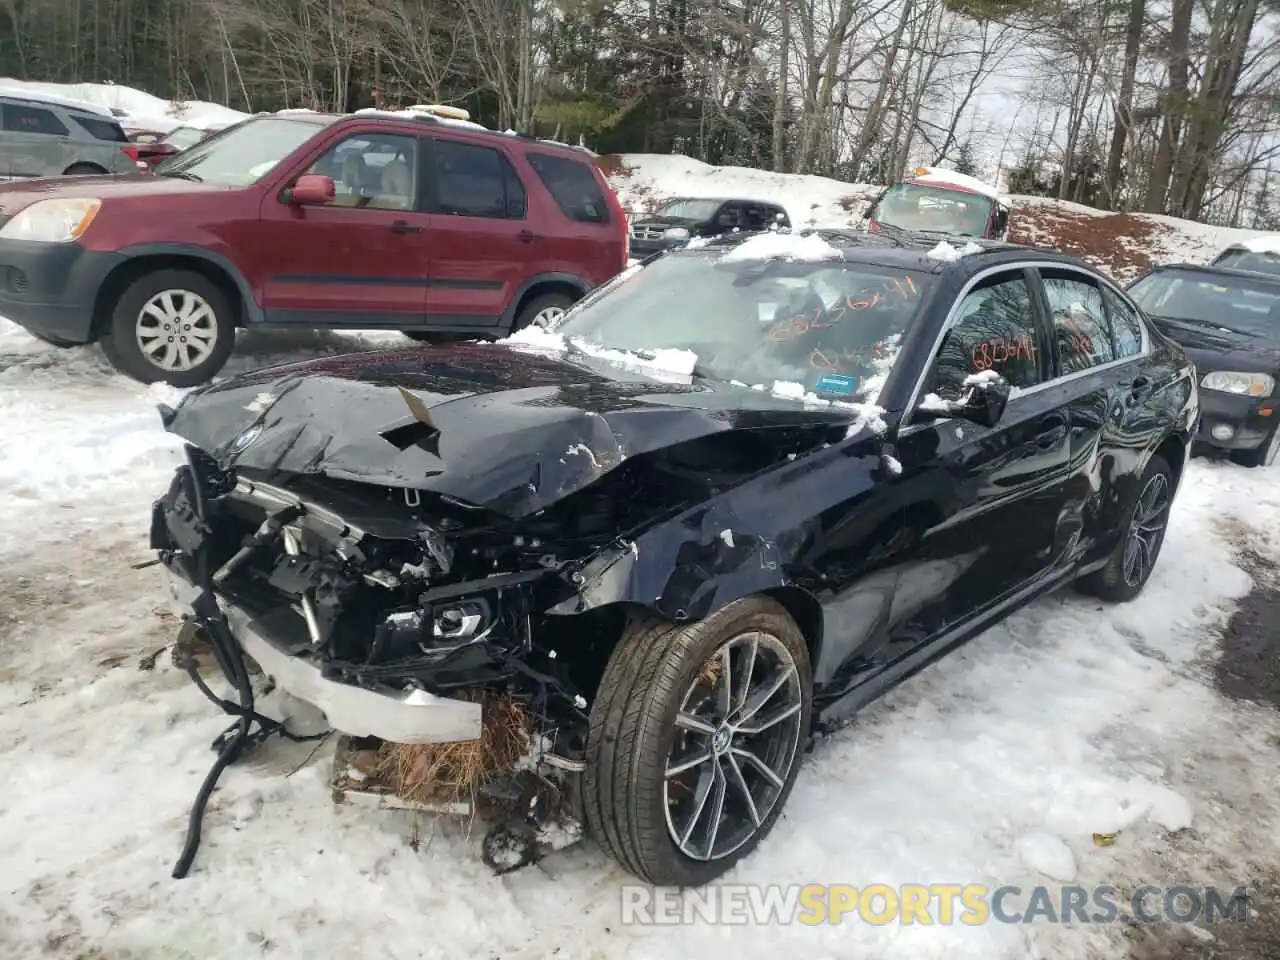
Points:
(592, 251)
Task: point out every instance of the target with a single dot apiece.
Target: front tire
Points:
(170, 326)
(84, 170)
(1132, 560)
(695, 740)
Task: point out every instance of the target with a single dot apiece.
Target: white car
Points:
(1257, 254)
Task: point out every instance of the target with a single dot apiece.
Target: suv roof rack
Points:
(432, 113)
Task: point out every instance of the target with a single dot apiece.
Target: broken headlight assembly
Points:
(433, 630)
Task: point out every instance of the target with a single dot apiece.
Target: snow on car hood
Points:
(507, 429)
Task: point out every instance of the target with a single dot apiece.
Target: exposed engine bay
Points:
(410, 597)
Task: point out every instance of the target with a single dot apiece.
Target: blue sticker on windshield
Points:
(836, 383)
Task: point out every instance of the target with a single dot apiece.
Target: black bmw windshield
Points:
(831, 327)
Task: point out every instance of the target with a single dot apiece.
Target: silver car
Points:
(45, 136)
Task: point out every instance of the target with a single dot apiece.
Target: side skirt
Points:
(838, 713)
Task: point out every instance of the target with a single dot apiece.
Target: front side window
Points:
(995, 329)
(829, 328)
(372, 171)
(241, 155)
(475, 181)
(23, 119)
(1079, 319)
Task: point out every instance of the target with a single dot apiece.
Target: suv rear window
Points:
(573, 185)
(24, 119)
(101, 128)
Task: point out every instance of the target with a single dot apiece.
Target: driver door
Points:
(362, 257)
(1002, 488)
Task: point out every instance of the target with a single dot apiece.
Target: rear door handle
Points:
(404, 226)
(528, 236)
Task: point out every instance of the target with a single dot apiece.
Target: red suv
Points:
(407, 221)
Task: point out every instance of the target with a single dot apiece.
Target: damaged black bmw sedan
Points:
(729, 498)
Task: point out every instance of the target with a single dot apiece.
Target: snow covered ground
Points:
(994, 766)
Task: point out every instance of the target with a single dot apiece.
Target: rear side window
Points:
(1079, 321)
(573, 186)
(100, 128)
(1126, 328)
(474, 181)
(23, 119)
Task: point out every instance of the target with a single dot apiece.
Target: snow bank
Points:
(647, 178)
(140, 109)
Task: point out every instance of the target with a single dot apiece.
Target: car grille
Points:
(646, 232)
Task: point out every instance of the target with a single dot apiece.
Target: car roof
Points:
(1264, 243)
(40, 98)
(681, 198)
(421, 116)
(906, 250)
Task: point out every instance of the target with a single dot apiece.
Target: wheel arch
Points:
(147, 259)
(541, 284)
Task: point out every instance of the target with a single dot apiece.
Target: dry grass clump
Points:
(455, 772)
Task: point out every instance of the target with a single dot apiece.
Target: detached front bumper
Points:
(1230, 421)
(399, 716)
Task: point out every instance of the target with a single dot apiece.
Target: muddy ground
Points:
(1247, 669)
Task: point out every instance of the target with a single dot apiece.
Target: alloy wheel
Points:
(547, 315)
(176, 330)
(737, 737)
(1146, 529)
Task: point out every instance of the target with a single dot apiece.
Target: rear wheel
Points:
(1264, 455)
(1137, 549)
(83, 170)
(170, 326)
(695, 740)
(543, 309)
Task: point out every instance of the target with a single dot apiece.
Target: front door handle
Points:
(528, 236)
(1051, 436)
(404, 226)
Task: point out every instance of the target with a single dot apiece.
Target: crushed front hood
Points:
(510, 430)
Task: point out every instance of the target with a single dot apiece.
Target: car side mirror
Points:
(985, 402)
(312, 190)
